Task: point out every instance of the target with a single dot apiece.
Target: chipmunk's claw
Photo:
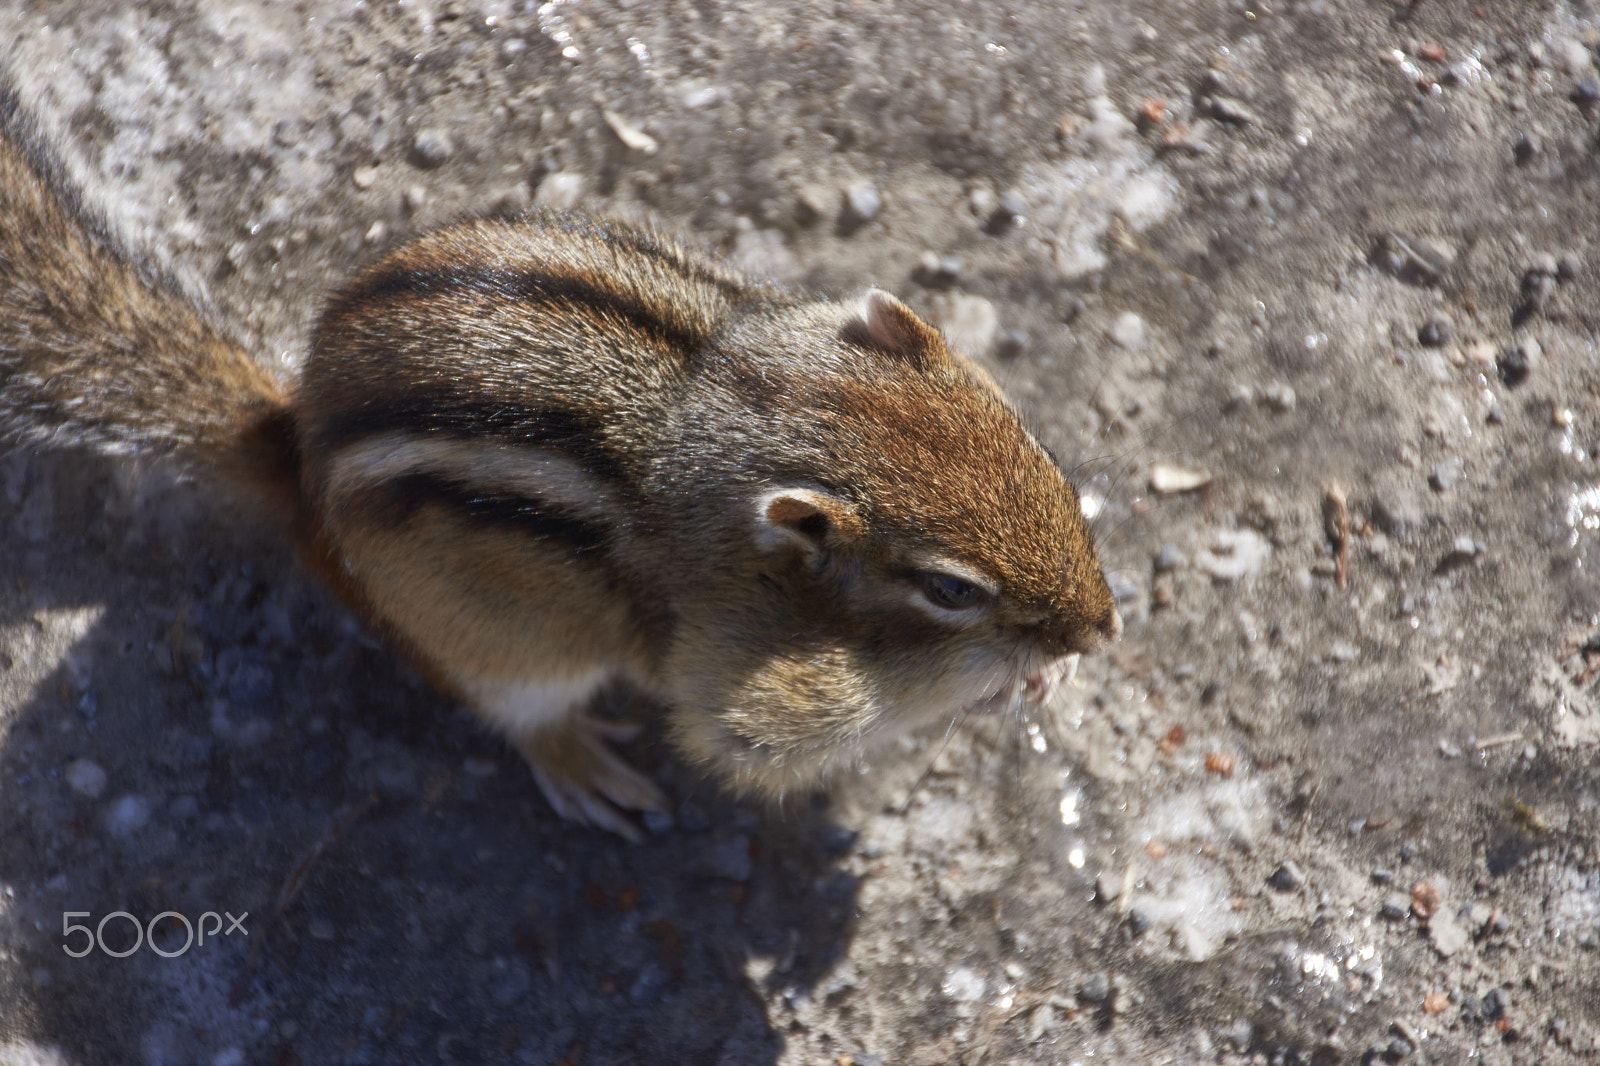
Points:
(584, 780)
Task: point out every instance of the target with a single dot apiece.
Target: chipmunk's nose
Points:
(1079, 636)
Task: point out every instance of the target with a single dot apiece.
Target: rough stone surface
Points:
(1281, 197)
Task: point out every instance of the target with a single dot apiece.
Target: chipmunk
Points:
(551, 454)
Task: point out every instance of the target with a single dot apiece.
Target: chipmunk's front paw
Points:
(584, 780)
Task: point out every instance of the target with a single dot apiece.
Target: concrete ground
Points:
(1333, 798)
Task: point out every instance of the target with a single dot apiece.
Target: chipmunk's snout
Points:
(1110, 627)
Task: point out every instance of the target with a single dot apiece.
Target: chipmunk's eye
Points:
(950, 592)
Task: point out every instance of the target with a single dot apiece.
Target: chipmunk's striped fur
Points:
(551, 454)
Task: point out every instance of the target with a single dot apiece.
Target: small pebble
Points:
(1095, 989)
(1520, 360)
(1012, 343)
(982, 201)
(1446, 474)
(812, 201)
(836, 839)
(479, 768)
(1463, 550)
(1437, 331)
(963, 984)
(1587, 92)
(1398, 514)
(1234, 554)
(969, 322)
(512, 201)
(1233, 112)
(1041, 1020)
(364, 177)
(1447, 934)
(85, 778)
(1280, 397)
(1287, 877)
(1128, 331)
(1538, 282)
(432, 147)
(937, 271)
(629, 133)
(1568, 267)
(127, 816)
(1342, 651)
(1168, 478)
(1571, 53)
(646, 988)
(1009, 211)
(1170, 557)
(1396, 905)
(1382, 876)
(1527, 146)
(562, 190)
(1419, 260)
(1012, 207)
(862, 203)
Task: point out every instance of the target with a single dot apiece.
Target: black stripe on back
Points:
(477, 421)
(678, 259)
(525, 286)
(409, 493)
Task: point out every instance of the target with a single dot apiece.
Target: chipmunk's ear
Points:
(814, 520)
(883, 322)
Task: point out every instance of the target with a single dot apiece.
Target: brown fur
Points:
(549, 453)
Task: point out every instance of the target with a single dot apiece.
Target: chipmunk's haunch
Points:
(552, 454)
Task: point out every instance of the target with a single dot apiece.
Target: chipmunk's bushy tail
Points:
(98, 350)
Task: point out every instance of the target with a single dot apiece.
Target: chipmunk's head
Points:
(912, 552)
